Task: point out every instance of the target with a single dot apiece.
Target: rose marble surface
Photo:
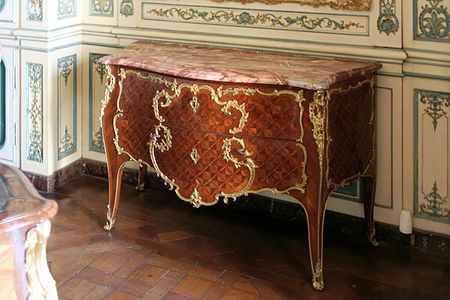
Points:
(239, 65)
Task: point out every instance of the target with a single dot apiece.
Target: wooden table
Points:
(24, 230)
(218, 123)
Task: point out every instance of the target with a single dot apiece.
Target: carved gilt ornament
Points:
(335, 4)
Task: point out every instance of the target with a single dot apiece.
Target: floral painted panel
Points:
(257, 18)
(335, 4)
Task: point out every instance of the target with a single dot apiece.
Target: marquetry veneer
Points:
(217, 123)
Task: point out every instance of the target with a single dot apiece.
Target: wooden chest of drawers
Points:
(218, 123)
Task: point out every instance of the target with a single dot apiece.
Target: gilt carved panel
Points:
(336, 4)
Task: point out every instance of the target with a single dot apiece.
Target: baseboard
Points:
(338, 225)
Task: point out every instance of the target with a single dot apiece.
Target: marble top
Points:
(239, 65)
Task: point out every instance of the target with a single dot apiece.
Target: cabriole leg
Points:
(141, 177)
(315, 217)
(369, 201)
(115, 171)
(315, 232)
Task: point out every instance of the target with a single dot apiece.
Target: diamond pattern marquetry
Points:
(278, 162)
(354, 136)
(262, 112)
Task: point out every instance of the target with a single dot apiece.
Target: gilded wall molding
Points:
(335, 4)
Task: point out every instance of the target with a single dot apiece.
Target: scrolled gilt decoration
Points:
(119, 149)
(175, 91)
(317, 116)
(335, 4)
(41, 284)
(110, 83)
(249, 163)
(163, 98)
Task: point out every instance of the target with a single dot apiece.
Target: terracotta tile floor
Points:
(161, 248)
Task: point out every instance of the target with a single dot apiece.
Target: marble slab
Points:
(239, 65)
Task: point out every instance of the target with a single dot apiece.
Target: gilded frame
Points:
(335, 4)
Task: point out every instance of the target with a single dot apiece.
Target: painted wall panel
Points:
(8, 12)
(94, 79)
(426, 153)
(427, 25)
(97, 83)
(34, 112)
(67, 106)
(431, 152)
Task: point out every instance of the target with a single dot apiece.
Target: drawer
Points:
(260, 111)
(203, 166)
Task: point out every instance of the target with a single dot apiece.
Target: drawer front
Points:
(227, 109)
(201, 167)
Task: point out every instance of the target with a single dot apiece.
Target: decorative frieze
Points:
(255, 18)
(387, 20)
(34, 150)
(66, 9)
(34, 10)
(335, 4)
(101, 8)
(431, 21)
(67, 105)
